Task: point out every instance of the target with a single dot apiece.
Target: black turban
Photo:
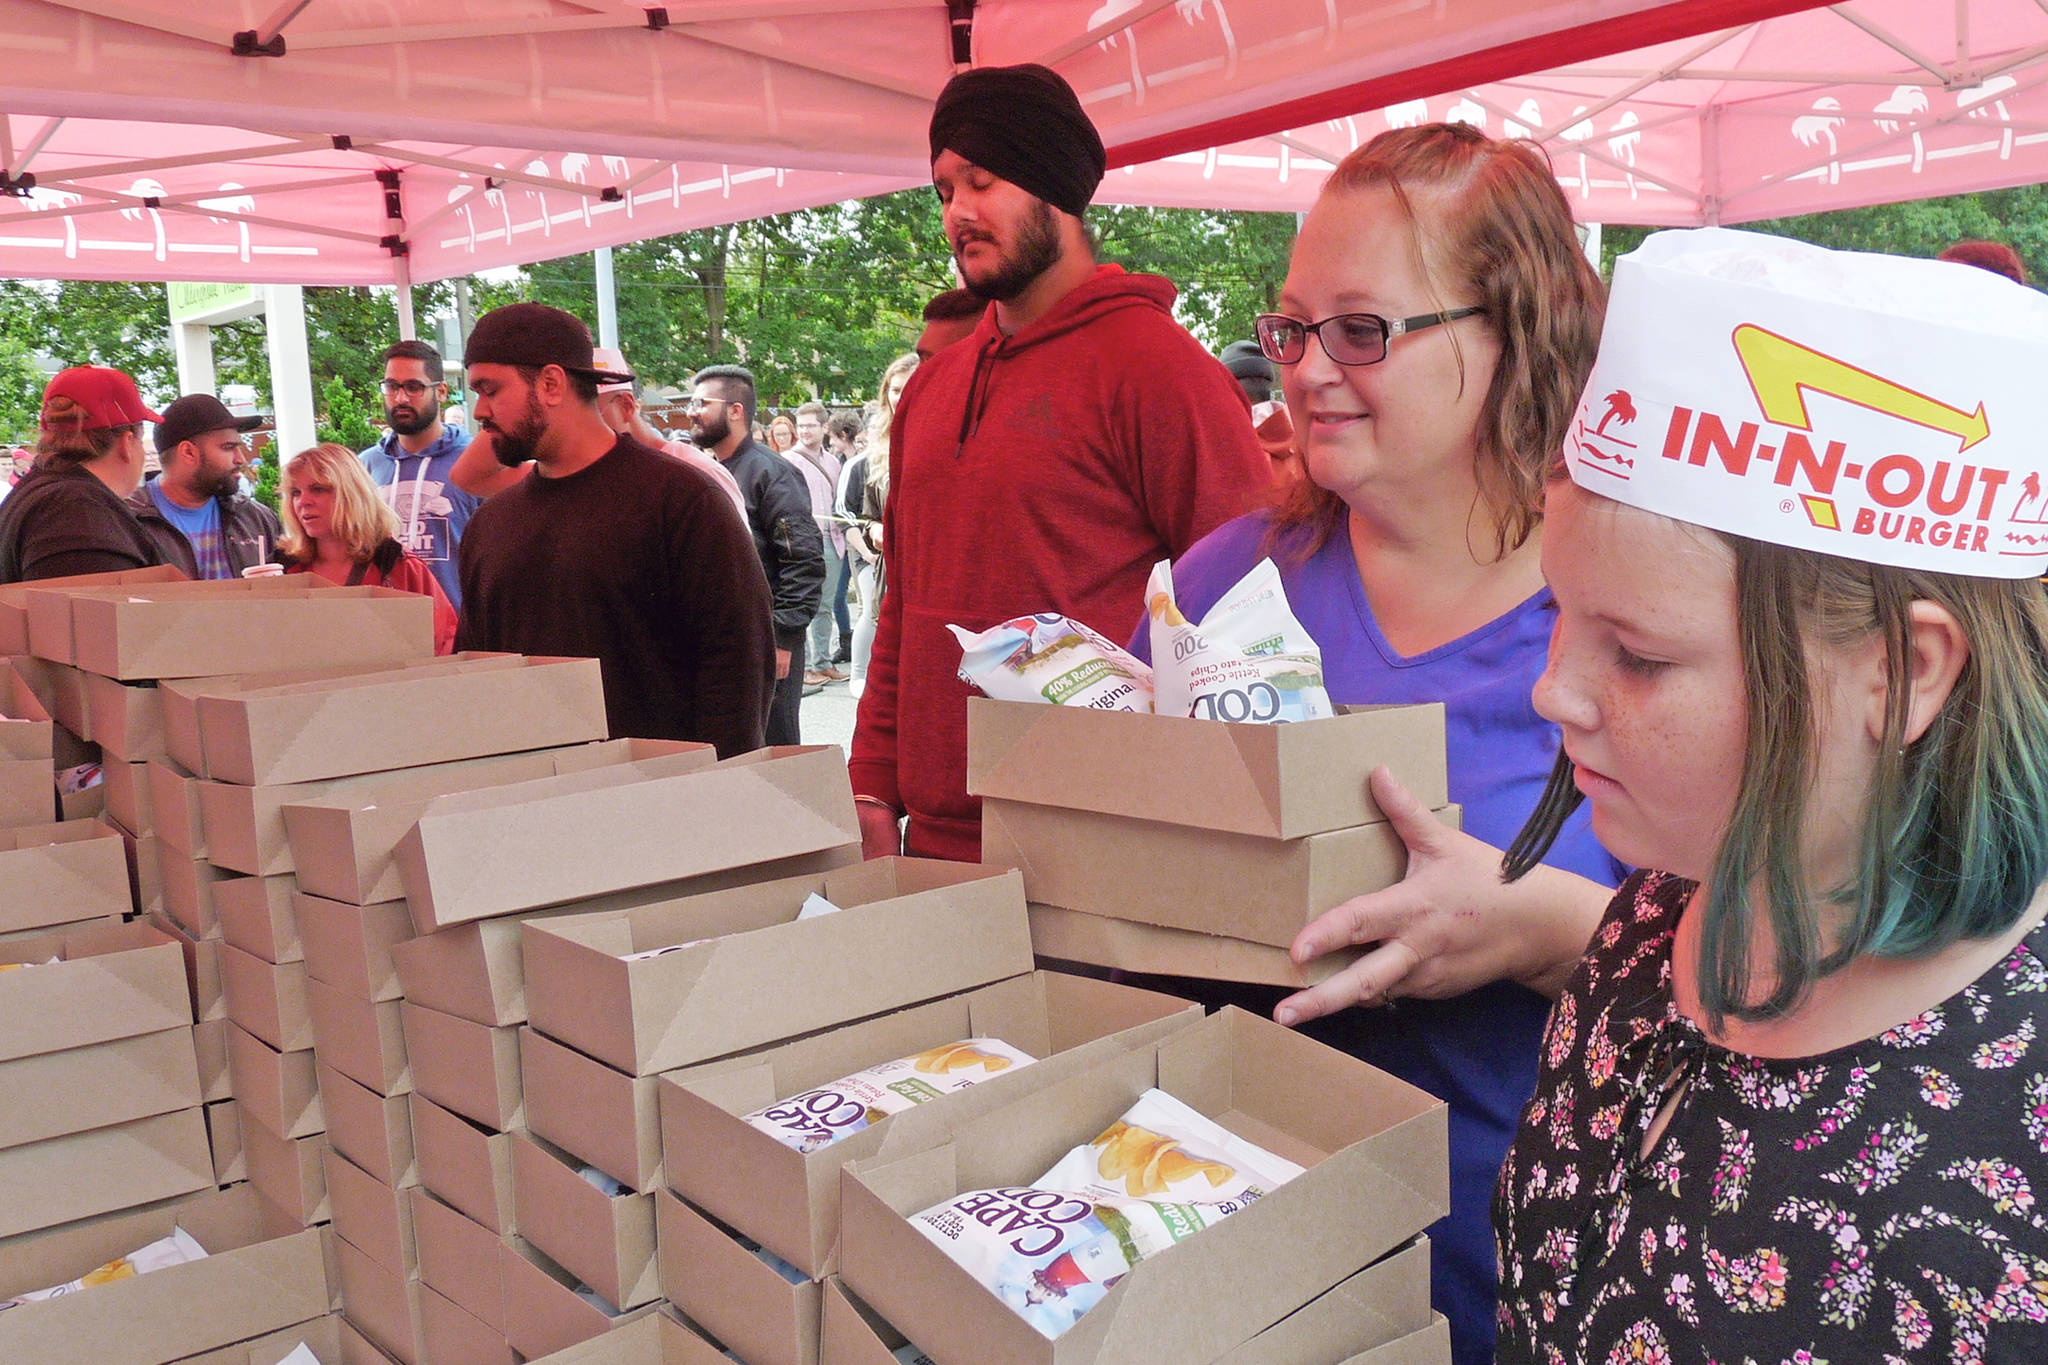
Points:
(1026, 125)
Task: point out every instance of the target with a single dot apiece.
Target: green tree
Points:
(347, 416)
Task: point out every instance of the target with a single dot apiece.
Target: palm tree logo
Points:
(2030, 492)
(1619, 406)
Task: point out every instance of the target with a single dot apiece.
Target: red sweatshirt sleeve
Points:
(411, 574)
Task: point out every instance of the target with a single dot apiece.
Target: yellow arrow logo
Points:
(1782, 372)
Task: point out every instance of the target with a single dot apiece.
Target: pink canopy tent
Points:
(380, 142)
(1867, 102)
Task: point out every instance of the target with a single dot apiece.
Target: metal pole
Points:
(607, 301)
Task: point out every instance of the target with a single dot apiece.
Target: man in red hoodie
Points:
(1078, 436)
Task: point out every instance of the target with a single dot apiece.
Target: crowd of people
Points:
(1730, 976)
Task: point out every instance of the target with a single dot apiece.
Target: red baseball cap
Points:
(108, 396)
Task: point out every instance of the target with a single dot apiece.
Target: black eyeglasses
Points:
(1350, 338)
(411, 388)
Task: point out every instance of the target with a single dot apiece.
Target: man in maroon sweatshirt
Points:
(1077, 437)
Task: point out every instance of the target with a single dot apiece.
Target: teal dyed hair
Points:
(1955, 839)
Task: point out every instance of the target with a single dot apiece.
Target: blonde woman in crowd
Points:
(865, 504)
(335, 526)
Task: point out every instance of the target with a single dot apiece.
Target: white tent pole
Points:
(408, 327)
(192, 342)
(291, 366)
(607, 301)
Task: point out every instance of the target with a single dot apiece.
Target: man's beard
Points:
(514, 446)
(223, 485)
(410, 421)
(1037, 251)
(706, 432)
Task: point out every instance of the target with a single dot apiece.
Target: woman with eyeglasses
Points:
(1437, 323)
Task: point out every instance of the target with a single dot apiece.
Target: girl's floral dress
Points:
(1873, 1204)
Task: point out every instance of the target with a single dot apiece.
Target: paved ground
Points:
(827, 717)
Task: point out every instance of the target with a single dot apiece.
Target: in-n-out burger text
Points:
(1943, 502)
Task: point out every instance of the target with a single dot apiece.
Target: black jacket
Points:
(60, 520)
(792, 552)
(248, 530)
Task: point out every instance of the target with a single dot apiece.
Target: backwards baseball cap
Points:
(1245, 360)
(98, 396)
(611, 358)
(1025, 124)
(1872, 407)
(535, 334)
(193, 416)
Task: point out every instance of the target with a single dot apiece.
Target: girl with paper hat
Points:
(1435, 330)
(1794, 1102)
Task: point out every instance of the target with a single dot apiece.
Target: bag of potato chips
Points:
(1163, 1149)
(177, 1249)
(1052, 658)
(1248, 660)
(818, 1118)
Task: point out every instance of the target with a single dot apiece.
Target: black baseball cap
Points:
(194, 415)
(535, 334)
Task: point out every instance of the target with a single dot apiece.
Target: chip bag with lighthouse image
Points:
(822, 1116)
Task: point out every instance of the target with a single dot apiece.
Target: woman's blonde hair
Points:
(63, 435)
(1495, 232)
(878, 446)
(362, 521)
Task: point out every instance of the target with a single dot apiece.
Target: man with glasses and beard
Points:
(792, 552)
(1074, 439)
(608, 548)
(413, 466)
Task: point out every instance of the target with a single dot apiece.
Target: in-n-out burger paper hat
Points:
(1873, 407)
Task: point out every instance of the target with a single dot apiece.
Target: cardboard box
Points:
(851, 1333)
(1127, 945)
(483, 853)
(125, 786)
(459, 1259)
(1429, 1346)
(256, 916)
(52, 626)
(224, 1133)
(14, 638)
(371, 1130)
(280, 1090)
(28, 794)
(174, 807)
(112, 982)
(351, 947)
(719, 1283)
(321, 1336)
(127, 718)
(606, 1241)
(188, 892)
(357, 1349)
(60, 690)
(61, 873)
(1382, 1304)
(210, 1045)
(288, 1171)
(344, 726)
(543, 1312)
(179, 633)
(908, 929)
(267, 999)
(362, 1039)
(473, 971)
(145, 871)
(1377, 1173)
(87, 803)
(788, 1200)
(260, 1276)
(468, 1167)
(383, 1306)
(646, 1339)
(62, 1179)
(370, 1215)
(1237, 885)
(449, 1333)
(83, 1088)
(598, 1115)
(342, 843)
(1270, 781)
(465, 1067)
(202, 967)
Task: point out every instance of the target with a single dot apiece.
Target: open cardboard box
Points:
(1270, 781)
(605, 1240)
(342, 843)
(788, 1200)
(174, 807)
(450, 1333)
(321, 1336)
(52, 627)
(256, 916)
(908, 929)
(483, 853)
(27, 792)
(1075, 936)
(458, 1258)
(210, 1043)
(180, 696)
(82, 1088)
(465, 1067)
(649, 1339)
(124, 1165)
(267, 999)
(362, 1039)
(719, 1283)
(543, 1312)
(596, 1114)
(372, 1130)
(59, 873)
(188, 892)
(1236, 885)
(175, 631)
(261, 1275)
(1385, 1303)
(224, 1132)
(349, 947)
(370, 1215)
(125, 786)
(14, 638)
(383, 1306)
(287, 1170)
(1377, 1173)
(115, 981)
(202, 967)
(280, 1090)
(468, 1167)
(127, 719)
